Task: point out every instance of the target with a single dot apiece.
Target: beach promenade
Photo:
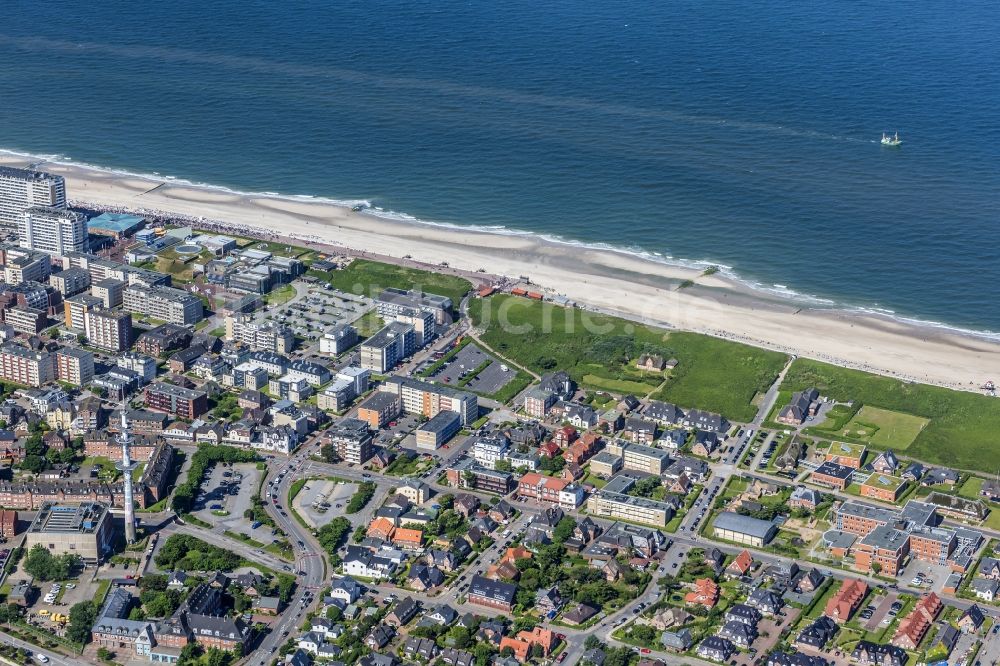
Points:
(597, 279)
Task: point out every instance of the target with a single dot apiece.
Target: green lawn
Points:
(884, 428)
(369, 278)
(712, 374)
(368, 324)
(281, 295)
(962, 426)
(623, 386)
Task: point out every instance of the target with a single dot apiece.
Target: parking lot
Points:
(490, 379)
(320, 310)
(62, 596)
(225, 497)
(876, 613)
(404, 425)
(316, 310)
(320, 500)
(924, 575)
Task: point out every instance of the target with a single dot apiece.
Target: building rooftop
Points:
(26, 174)
(735, 522)
(886, 537)
(441, 422)
(883, 481)
(176, 391)
(69, 518)
(117, 222)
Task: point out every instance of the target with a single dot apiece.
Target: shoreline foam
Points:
(644, 288)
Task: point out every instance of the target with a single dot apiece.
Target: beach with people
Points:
(599, 279)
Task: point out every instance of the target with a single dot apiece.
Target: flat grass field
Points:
(369, 278)
(884, 428)
(961, 429)
(598, 351)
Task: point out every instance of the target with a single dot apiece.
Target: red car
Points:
(645, 651)
(561, 657)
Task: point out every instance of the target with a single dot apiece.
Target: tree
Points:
(331, 536)
(563, 530)
(482, 652)
(104, 654)
(553, 464)
(592, 643)
(9, 613)
(34, 464)
(81, 618)
(44, 566)
(644, 633)
(329, 453)
(190, 654)
(502, 465)
(460, 637)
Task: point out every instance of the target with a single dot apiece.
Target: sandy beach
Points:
(602, 280)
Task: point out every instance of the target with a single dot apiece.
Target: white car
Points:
(42, 658)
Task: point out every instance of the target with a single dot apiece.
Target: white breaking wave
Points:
(366, 207)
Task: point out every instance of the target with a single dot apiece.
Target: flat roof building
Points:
(21, 189)
(742, 529)
(116, 225)
(83, 529)
(53, 230)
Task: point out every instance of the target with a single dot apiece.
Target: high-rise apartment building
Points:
(53, 230)
(21, 189)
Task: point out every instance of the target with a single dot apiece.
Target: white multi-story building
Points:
(164, 303)
(259, 336)
(53, 230)
(21, 189)
(488, 450)
(144, 366)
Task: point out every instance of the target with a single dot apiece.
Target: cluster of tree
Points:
(81, 618)
(10, 613)
(227, 408)
(189, 553)
(43, 565)
(765, 512)
(328, 452)
(38, 457)
(647, 487)
(193, 654)
(554, 464)
(462, 638)
(448, 522)
(332, 535)
(157, 600)
(201, 461)
(576, 580)
(258, 512)
(358, 501)
(613, 656)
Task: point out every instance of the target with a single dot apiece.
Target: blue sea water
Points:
(739, 133)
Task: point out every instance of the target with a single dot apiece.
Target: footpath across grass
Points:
(598, 350)
(962, 426)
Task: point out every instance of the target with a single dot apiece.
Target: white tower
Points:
(127, 467)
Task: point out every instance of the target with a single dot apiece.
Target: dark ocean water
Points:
(739, 133)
